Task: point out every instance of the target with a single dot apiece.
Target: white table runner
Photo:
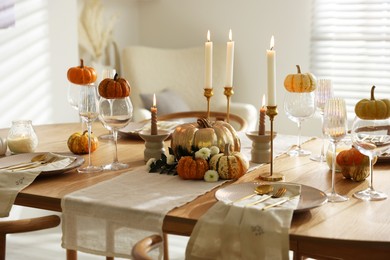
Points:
(110, 217)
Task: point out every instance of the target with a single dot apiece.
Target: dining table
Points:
(354, 229)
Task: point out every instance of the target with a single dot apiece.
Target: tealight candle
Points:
(263, 110)
(153, 110)
(271, 78)
(208, 62)
(21, 137)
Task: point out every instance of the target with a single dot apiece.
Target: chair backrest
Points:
(150, 70)
(143, 247)
(24, 225)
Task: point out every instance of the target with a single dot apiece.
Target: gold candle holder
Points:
(272, 111)
(228, 93)
(208, 93)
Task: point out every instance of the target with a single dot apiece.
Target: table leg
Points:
(71, 254)
(166, 254)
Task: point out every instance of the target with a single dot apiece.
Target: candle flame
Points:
(208, 35)
(263, 101)
(230, 35)
(272, 43)
(154, 100)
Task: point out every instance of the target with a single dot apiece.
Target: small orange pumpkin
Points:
(229, 165)
(372, 108)
(189, 168)
(300, 82)
(78, 143)
(354, 165)
(82, 75)
(114, 88)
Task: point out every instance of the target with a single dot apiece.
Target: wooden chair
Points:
(239, 123)
(25, 225)
(143, 247)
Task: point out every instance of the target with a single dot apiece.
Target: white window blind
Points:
(350, 44)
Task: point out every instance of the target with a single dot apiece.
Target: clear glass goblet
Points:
(371, 138)
(107, 73)
(88, 108)
(323, 92)
(115, 114)
(335, 129)
(299, 107)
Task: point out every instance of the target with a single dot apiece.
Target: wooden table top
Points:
(351, 221)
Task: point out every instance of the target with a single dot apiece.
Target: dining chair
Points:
(176, 76)
(24, 225)
(144, 246)
(239, 123)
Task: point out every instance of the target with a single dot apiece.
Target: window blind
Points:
(350, 44)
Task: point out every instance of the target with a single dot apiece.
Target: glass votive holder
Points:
(21, 137)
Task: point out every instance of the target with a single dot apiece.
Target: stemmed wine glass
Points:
(323, 92)
(107, 73)
(335, 128)
(371, 138)
(299, 106)
(88, 108)
(115, 113)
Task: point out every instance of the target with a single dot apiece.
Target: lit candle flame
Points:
(272, 43)
(208, 35)
(154, 100)
(263, 101)
(230, 35)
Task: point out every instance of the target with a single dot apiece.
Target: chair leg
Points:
(109, 258)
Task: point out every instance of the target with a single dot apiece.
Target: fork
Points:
(279, 193)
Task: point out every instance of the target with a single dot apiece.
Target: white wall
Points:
(34, 57)
(183, 23)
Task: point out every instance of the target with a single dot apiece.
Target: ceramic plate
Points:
(310, 197)
(26, 157)
(133, 128)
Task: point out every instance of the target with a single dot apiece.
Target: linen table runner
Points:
(109, 217)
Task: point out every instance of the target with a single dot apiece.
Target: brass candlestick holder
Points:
(272, 111)
(228, 93)
(208, 93)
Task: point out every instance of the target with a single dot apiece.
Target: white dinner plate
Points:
(26, 157)
(310, 197)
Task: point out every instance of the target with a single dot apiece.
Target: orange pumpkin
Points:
(82, 75)
(371, 109)
(189, 168)
(354, 165)
(300, 82)
(229, 165)
(78, 143)
(114, 88)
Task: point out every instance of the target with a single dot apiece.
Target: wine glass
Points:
(107, 73)
(371, 138)
(299, 107)
(115, 113)
(323, 92)
(335, 129)
(88, 108)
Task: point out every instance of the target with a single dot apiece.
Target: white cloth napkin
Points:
(11, 182)
(110, 217)
(233, 231)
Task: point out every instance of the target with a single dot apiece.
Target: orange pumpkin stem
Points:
(227, 150)
(204, 123)
(372, 93)
(81, 63)
(298, 69)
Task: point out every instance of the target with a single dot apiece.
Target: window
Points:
(351, 45)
